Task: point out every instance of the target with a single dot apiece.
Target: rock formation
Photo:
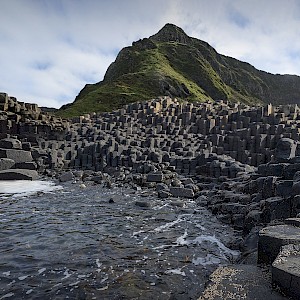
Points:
(240, 161)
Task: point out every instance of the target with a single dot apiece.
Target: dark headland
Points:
(240, 160)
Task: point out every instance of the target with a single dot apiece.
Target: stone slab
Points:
(293, 221)
(272, 238)
(18, 156)
(6, 163)
(240, 282)
(182, 192)
(286, 270)
(18, 174)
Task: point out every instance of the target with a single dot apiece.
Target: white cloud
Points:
(51, 49)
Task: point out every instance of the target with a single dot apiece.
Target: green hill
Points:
(172, 63)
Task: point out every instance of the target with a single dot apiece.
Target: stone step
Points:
(293, 221)
(286, 270)
(240, 282)
(272, 238)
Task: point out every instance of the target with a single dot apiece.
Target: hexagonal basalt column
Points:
(286, 270)
(272, 238)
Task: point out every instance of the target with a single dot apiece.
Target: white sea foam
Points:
(7, 296)
(209, 259)
(40, 271)
(29, 291)
(181, 240)
(22, 188)
(175, 272)
(170, 224)
(212, 239)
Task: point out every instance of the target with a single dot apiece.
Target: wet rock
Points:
(67, 176)
(144, 204)
(240, 282)
(18, 174)
(177, 203)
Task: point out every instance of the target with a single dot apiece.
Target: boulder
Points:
(67, 176)
(155, 177)
(18, 174)
(6, 163)
(182, 192)
(10, 143)
(19, 156)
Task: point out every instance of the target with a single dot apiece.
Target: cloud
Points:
(51, 49)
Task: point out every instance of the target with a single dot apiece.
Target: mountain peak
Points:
(171, 33)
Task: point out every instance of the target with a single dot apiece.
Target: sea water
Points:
(66, 242)
(21, 188)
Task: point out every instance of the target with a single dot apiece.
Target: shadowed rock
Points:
(18, 174)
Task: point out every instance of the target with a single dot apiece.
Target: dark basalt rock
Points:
(18, 174)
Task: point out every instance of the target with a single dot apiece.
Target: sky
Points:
(50, 49)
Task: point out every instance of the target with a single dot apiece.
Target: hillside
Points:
(172, 63)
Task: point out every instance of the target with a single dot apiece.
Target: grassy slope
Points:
(149, 69)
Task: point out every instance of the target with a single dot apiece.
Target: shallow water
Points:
(73, 244)
(21, 188)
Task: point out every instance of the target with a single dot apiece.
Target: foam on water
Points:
(23, 188)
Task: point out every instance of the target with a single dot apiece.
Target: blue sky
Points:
(51, 48)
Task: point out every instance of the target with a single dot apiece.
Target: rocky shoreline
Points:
(241, 162)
